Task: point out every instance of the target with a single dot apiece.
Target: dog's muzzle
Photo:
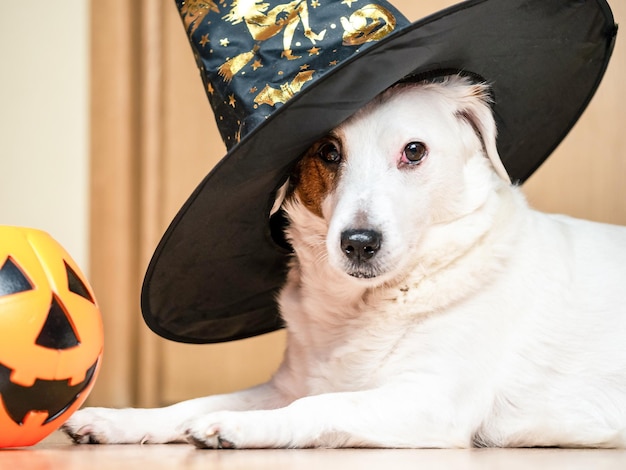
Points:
(360, 246)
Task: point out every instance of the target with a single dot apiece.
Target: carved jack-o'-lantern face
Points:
(50, 336)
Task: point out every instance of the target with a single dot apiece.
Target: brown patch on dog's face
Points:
(316, 173)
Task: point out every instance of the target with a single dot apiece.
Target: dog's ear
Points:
(476, 111)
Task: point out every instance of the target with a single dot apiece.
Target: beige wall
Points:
(44, 119)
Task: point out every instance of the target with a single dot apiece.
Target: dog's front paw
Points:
(122, 426)
(235, 430)
(215, 431)
(94, 426)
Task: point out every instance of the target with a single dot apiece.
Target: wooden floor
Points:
(56, 452)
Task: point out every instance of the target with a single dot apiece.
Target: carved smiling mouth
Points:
(52, 396)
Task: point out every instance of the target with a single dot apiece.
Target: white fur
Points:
(488, 323)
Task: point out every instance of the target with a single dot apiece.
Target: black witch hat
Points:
(280, 74)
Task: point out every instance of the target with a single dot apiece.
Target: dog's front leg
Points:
(162, 425)
(385, 418)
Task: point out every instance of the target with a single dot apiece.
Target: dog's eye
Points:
(329, 153)
(414, 153)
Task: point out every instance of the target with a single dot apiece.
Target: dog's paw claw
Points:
(83, 435)
(209, 439)
(225, 443)
(197, 442)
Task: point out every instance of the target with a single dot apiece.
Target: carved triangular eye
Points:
(76, 285)
(12, 279)
(57, 331)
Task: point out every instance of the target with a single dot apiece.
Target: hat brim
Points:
(215, 275)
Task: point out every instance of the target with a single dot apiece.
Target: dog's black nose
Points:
(360, 244)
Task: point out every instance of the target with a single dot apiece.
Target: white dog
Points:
(426, 305)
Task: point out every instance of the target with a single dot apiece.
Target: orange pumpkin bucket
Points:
(51, 336)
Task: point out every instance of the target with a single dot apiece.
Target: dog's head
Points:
(419, 156)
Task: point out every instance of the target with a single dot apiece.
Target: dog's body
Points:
(426, 305)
